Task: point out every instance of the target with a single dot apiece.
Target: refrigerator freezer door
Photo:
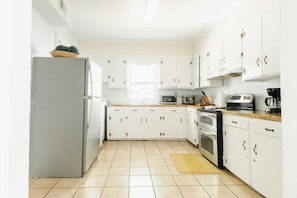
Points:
(92, 131)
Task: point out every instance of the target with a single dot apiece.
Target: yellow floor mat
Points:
(193, 164)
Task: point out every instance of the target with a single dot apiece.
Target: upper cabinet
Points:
(202, 73)
(176, 72)
(56, 12)
(118, 72)
(261, 45)
(225, 54)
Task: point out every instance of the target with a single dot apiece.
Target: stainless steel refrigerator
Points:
(65, 116)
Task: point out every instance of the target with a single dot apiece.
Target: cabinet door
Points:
(204, 68)
(118, 73)
(153, 125)
(168, 73)
(184, 72)
(252, 45)
(216, 56)
(236, 151)
(266, 165)
(173, 122)
(115, 126)
(232, 48)
(271, 40)
(104, 63)
(196, 78)
(192, 135)
(135, 123)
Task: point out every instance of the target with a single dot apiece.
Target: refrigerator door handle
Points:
(90, 79)
(89, 111)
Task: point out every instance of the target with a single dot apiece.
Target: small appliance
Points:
(168, 99)
(273, 102)
(188, 99)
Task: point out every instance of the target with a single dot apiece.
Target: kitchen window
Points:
(142, 83)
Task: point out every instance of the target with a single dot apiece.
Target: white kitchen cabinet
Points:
(261, 45)
(146, 123)
(173, 122)
(118, 72)
(135, 123)
(236, 146)
(56, 12)
(104, 62)
(266, 157)
(153, 118)
(192, 126)
(116, 123)
(204, 71)
(253, 152)
(226, 53)
(176, 72)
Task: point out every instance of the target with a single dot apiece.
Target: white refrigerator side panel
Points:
(57, 117)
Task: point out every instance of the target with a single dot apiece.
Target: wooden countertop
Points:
(244, 113)
(255, 114)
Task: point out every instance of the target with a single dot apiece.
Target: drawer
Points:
(116, 109)
(173, 109)
(152, 109)
(134, 110)
(236, 121)
(266, 127)
(191, 111)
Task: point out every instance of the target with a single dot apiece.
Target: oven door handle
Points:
(207, 115)
(213, 136)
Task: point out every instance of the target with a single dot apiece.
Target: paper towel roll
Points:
(221, 100)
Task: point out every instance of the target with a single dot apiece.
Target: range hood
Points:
(226, 73)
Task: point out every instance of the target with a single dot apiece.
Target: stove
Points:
(240, 102)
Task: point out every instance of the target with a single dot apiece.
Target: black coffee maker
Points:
(273, 102)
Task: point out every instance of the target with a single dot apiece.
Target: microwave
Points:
(168, 99)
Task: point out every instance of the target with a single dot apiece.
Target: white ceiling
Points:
(122, 20)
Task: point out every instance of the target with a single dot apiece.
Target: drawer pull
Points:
(234, 122)
(270, 130)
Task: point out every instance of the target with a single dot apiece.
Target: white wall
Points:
(288, 89)
(134, 48)
(46, 37)
(15, 22)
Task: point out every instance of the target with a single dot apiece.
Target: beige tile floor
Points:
(141, 169)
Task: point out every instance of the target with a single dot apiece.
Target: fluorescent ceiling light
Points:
(150, 9)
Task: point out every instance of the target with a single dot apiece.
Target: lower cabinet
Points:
(146, 123)
(253, 152)
(266, 157)
(192, 127)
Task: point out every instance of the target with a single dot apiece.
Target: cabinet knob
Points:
(126, 134)
(109, 134)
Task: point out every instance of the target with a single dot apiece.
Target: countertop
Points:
(255, 114)
(250, 114)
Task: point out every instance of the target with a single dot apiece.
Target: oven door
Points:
(208, 145)
(207, 120)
